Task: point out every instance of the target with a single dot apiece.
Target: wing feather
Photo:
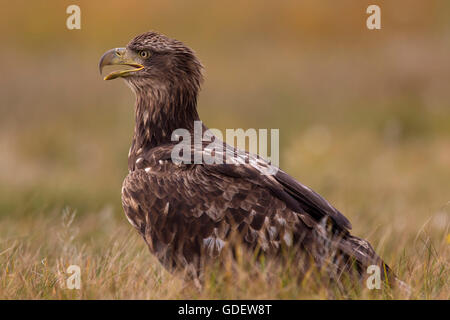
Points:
(186, 213)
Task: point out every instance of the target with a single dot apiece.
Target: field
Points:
(364, 119)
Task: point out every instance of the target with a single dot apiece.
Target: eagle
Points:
(190, 213)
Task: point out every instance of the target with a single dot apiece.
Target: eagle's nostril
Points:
(119, 52)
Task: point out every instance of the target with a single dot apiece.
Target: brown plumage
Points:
(189, 213)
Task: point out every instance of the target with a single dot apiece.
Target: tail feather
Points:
(341, 252)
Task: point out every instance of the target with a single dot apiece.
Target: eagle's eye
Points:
(144, 54)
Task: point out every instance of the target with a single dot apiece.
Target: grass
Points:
(115, 264)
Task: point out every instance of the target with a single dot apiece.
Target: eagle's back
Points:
(190, 214)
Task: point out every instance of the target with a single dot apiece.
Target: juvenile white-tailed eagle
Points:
(189, 213)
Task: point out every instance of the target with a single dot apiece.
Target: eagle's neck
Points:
(160, 111)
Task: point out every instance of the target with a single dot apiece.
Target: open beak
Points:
(118, 56)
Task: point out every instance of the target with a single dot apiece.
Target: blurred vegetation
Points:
(364, 116)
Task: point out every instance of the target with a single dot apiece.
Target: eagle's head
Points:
(155, 61)
(166, 76)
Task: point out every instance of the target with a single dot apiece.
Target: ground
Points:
(394, 201)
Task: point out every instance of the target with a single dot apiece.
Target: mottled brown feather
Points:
(189, 213)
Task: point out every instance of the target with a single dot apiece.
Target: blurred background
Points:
(364, 116)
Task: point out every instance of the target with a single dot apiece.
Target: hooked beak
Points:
(118, 56)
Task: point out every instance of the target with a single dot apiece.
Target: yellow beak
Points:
(118, 56)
